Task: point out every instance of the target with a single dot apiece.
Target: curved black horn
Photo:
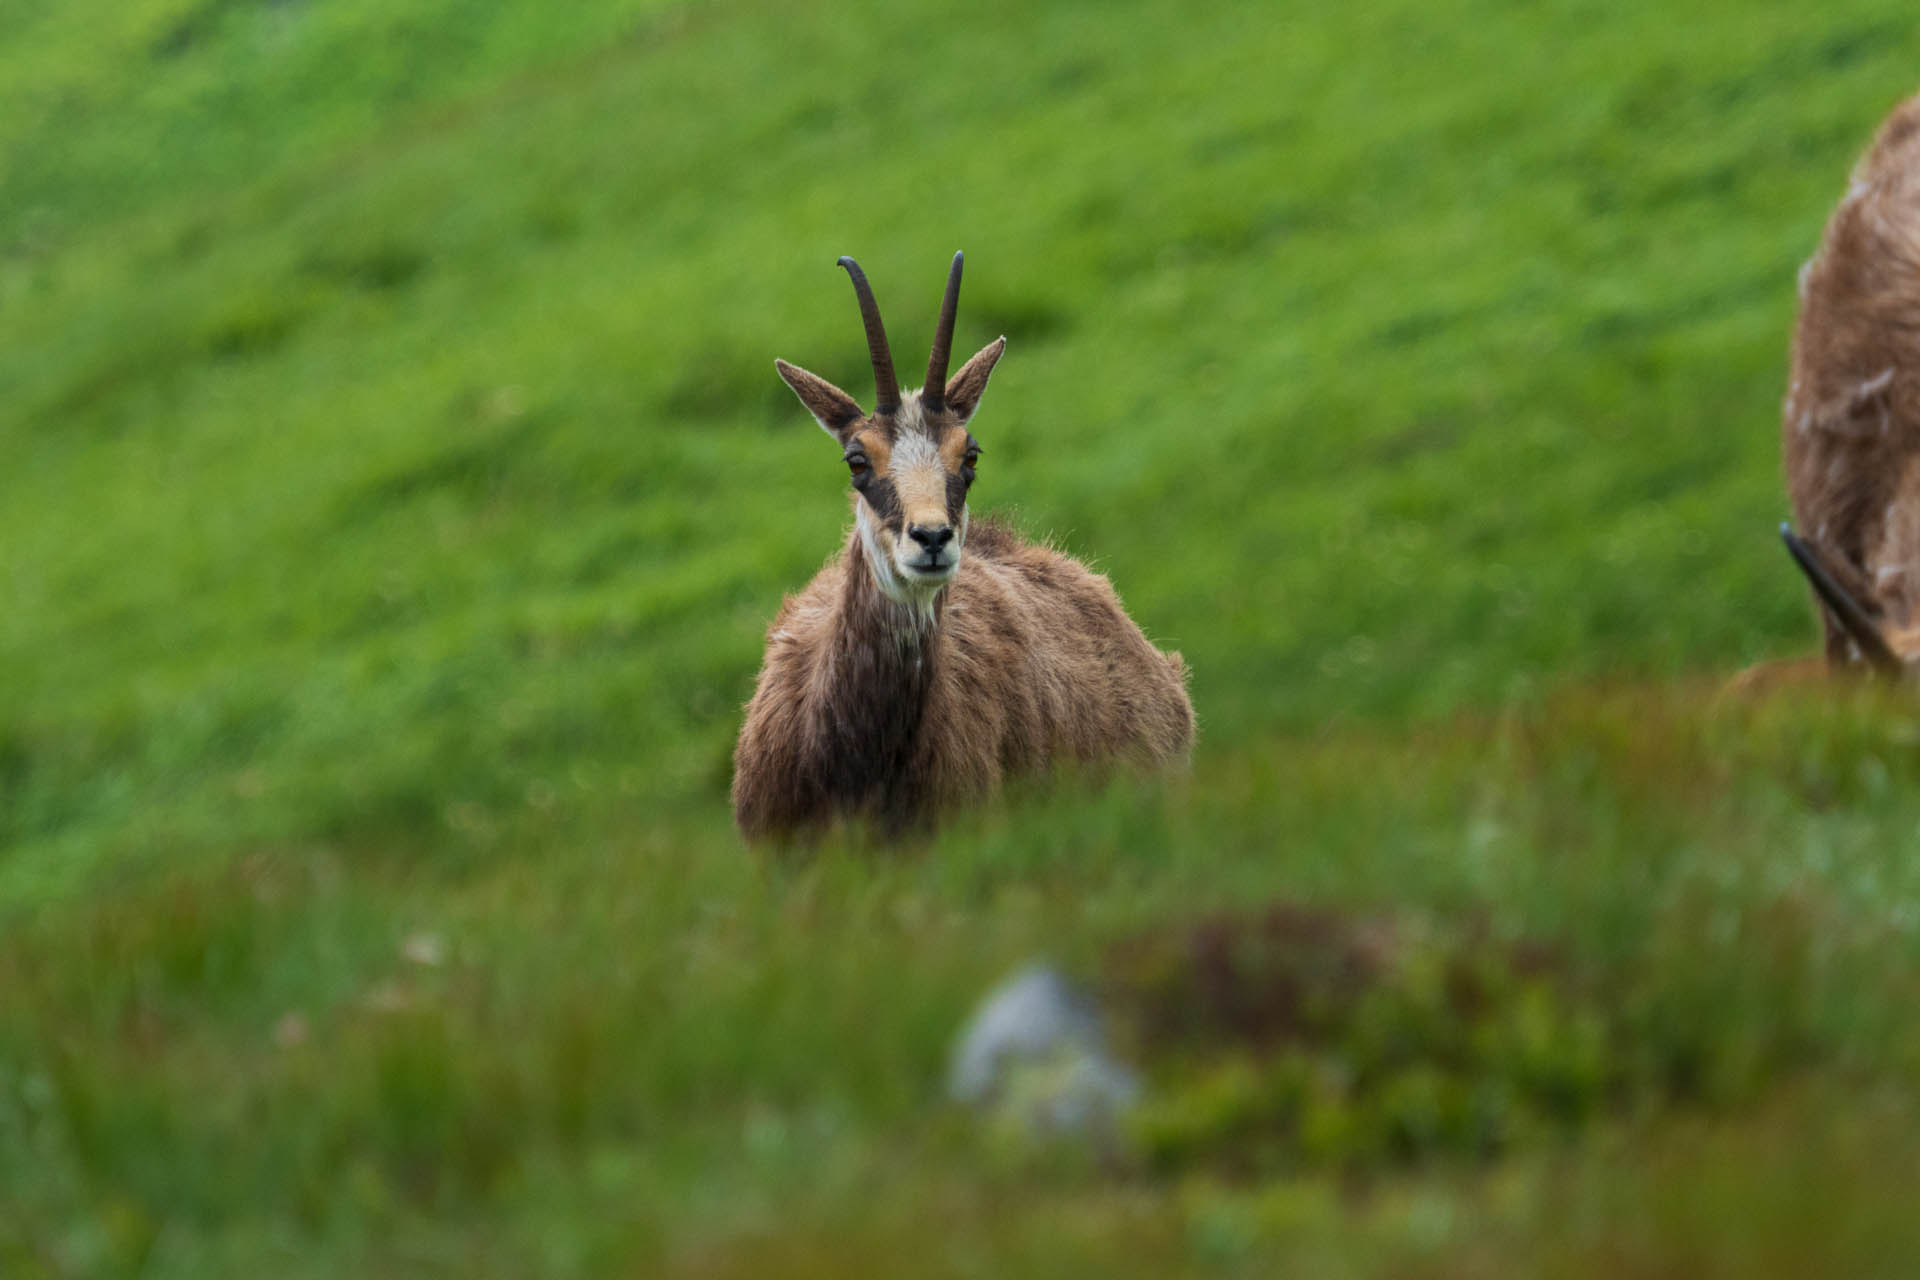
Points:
(1841, 606)
(934, 395)
(887, 387)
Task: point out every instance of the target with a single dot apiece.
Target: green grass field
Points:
(395, 487)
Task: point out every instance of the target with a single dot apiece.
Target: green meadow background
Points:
(395, 488)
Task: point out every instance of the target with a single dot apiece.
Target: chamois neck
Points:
(875, 602)
(879, 669)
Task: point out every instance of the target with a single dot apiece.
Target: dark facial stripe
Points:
(882, 500)
(956, 497)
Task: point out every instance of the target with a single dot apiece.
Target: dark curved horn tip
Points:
(1839, 602)
(887, 387)
(933, 395)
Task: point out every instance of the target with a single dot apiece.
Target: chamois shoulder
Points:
(808, 611)
(1036, 563)
(989, 538)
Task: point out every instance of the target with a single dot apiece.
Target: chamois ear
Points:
(831, 407)
(966, 387)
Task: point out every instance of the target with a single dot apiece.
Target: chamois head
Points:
(912, 459)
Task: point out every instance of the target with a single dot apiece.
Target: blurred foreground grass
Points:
(394, 487)
(307, 1059)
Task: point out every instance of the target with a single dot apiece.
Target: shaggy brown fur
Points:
(934, 656)
(1029, 660)
(1851, 422)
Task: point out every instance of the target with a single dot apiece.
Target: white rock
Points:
(1035, 1049)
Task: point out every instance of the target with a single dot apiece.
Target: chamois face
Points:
(912, 473)
(912, 461)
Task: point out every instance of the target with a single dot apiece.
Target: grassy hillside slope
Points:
(394, 487)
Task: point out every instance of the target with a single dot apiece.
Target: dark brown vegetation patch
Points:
(1293, 1035)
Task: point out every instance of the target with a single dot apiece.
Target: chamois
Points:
(935, 655)
(1851, 420)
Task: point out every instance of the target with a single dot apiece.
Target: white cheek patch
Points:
(879, 557)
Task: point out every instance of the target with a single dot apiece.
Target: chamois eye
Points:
(857, 464)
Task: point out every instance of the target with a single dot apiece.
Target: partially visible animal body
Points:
(1851, 422)
(935, 656)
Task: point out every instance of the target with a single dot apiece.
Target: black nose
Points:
(932, 537)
